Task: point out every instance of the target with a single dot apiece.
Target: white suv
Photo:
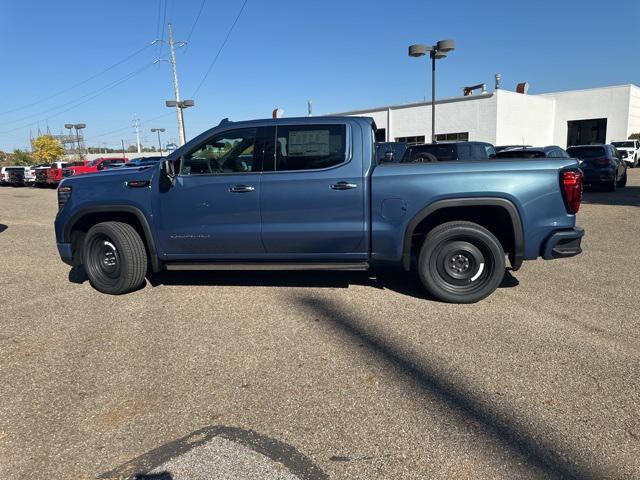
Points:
(632, 148)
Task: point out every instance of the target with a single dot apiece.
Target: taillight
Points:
(64, 194)
(571, 183)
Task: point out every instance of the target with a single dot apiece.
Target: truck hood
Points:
(109, 176)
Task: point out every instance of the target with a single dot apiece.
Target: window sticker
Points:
(309, 143)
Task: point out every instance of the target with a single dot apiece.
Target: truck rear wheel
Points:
(461, 262)
(114, 257)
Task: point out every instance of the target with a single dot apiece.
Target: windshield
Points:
(622, 144)
(586, 152)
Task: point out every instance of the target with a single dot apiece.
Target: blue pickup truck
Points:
(309, 194)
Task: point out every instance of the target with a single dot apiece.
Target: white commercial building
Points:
(576, 117)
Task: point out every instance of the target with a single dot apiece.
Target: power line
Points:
(51, 109)
(215, 59)
(158, 21)
(98, 92)
(104, 134)
(68, 89)
(195, 22)
(164, 18)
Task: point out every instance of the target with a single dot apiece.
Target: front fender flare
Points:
(149, 239)
(516, 258)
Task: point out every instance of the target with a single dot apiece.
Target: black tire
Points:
(461, 262)
(623, 180)
(114, 257)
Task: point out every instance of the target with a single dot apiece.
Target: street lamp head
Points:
(80, 126)
(171, 103)
(419, 50)
(68, 126)
(161, 129)
(188, 103)
(446, 45)
(438, 54)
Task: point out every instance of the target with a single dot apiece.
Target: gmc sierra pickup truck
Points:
(308, 194)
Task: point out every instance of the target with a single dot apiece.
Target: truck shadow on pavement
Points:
(542, 454)
(629, 196)
(390, 279)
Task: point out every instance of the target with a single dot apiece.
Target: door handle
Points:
(343, 186)
(242, 189)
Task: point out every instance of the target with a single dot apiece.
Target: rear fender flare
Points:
(516, 258)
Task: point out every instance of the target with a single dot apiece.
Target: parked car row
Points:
(50, 175)
(602, 165)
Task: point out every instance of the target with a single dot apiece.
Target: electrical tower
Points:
(136, 127)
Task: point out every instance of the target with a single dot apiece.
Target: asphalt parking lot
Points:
(317, 375)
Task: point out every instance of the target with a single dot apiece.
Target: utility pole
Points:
(179, 104)
(136, 127)
(176, 86)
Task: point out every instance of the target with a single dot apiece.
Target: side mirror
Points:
(168, 168)
(388, 157)
(167, 175)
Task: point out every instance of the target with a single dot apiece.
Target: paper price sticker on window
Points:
(309, 143)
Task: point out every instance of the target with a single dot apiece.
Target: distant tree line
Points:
(129, 149)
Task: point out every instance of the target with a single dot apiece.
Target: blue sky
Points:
(342, 54)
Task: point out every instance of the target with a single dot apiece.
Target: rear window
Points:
(586, 152)
(443, 152)
(520, 154)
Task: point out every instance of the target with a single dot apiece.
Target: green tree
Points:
(47, 149)
(21, 157)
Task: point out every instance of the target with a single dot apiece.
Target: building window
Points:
(418, 139)
(452, 137)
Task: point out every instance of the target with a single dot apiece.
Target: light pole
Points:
(436, 52)
(77, 127)
(180, 106)
(159, 142)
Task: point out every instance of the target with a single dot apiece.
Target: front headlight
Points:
(64, 194)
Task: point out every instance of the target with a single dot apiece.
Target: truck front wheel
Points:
(461, 262)
(114, 257)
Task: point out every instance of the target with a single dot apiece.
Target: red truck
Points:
(92, 166)
(54, 173)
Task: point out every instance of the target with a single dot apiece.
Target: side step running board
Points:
(359, 266)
